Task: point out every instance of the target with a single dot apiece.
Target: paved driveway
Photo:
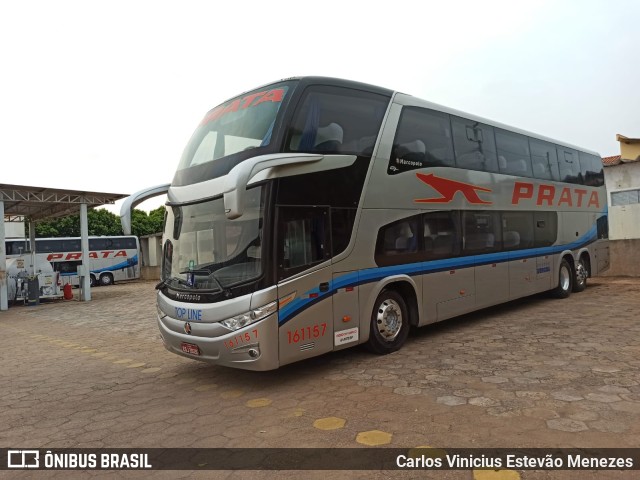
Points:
(536, 372)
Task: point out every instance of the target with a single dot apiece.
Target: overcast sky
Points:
(104, 95)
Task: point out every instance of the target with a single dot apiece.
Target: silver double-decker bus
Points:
(314, 214)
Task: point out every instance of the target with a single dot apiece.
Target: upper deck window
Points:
(240, 128)
(336, 120)
(474, 144)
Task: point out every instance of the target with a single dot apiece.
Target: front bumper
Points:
(254, 347)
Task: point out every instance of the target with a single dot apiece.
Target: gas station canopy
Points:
(27, 203)
(39, 203)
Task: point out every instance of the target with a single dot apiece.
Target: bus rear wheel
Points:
(582, 273)
(389, 323)
(92, 280)
(106, 279)
(565, 280)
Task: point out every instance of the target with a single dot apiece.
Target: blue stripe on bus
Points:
(370, 275)
(127, 263)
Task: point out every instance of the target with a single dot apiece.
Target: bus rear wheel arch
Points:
(106, 279)
(582, 273)
(390, 321)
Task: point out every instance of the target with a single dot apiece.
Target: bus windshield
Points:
(206, 251)
(243, 123)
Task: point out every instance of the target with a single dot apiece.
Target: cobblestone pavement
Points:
(536, 372)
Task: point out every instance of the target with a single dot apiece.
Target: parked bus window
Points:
(513, 153)
(423, 139)
(481, 232)
(544, 158)
(474, 145)
(337, 120)
(517, 230)
(545, 228)
(591, 169)
(441, 239)
(569, 165)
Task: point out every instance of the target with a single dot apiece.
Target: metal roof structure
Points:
(40, 203)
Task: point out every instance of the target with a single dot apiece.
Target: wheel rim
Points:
(565, 278)
(389, 320)
(581, 273)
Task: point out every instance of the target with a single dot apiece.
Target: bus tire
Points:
(565, 280)
(389, 323)
(92, 280)
(582, 273)
(106, 279)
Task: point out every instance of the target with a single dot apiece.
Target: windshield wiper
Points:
(212, 276)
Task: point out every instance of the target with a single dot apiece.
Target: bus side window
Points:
(591, 169)
(544, 159)
(303, 238)
(423, 139)
(513, 153)
(398, 242)
(518, 230)
(474, 145)
(481, 232)
(569, 166)
(441, 239)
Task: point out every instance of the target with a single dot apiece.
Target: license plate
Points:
(190, 348)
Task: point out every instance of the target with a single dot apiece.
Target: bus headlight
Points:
(244, 319)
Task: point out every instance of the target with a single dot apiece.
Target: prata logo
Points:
(448, 188)
(23, 459)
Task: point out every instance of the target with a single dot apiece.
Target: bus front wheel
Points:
(106, 279)
(389, 323)
(565, 280)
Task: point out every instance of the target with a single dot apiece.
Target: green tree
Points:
(102, 222)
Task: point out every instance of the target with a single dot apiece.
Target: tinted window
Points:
(423, 139)
(441, 237)
(545, 228)
(48, 246)
(513, 153)
(99, 244)
(591, 169)
(603, 227)
(303, 238)
(17, 247)
(517, 228)
(569, 164)
(474, 144)
(342, 220)
(544, 160)
(71, 245)
(337, 120)
(398, 242)
(481, 232)
(130, 243)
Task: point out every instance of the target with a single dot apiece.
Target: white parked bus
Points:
(113, 258)
(315, 214)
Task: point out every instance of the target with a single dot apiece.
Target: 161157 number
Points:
(306, 333)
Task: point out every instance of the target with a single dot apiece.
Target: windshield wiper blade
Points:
(212, 276)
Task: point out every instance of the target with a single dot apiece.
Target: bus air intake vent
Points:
(307, 346)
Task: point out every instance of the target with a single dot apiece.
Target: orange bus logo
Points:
(448, 188)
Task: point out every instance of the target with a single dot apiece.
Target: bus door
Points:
(306, 302)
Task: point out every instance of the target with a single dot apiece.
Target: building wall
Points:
(624, 220)
(625, 258)
(629, 151)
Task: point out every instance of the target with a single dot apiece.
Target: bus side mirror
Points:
(235, 185)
